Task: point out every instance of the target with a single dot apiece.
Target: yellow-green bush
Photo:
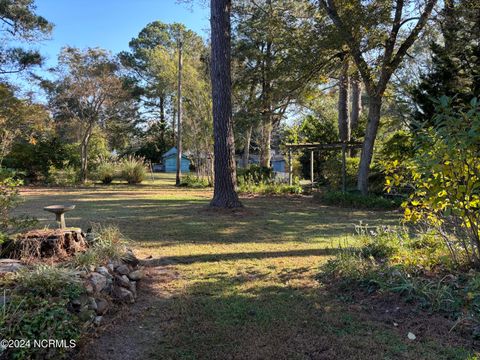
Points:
(444, 174)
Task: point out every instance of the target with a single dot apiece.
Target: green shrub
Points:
(133, 170)
(194, 182)
(357, 200)
(445, 176)
(37, 308)
(256, 174)
(9, 200)
(399, 146)
(30, 317)
(66, 176)
(106, 172)
(268, 188)
(332, 171)
(419, 269)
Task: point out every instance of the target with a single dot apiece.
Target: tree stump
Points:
(40, 244)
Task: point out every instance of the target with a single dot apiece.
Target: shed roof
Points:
(170, 152)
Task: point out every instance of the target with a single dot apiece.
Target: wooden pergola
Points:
(343, 146)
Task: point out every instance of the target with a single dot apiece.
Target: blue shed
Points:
(278, 163)
(170, 161)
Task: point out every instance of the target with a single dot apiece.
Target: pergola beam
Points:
(328, 146)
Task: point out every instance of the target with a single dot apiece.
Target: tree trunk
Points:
(374, 108)
(267, 121)
(343, 121)
(174, 122)
(246, 149)
(356, 106)
(162, 109)
(266, 140)
(356, 101)
(84, 159)
(224, 194)
(179, 132)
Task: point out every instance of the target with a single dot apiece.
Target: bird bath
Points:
(59, 211)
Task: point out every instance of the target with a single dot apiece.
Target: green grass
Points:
(244, 284)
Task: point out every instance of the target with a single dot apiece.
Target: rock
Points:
(411, 336)
(98, 281)
(104, 271)
(88, 287)
(110, 267)
(133, 288)
(92, 304)
(123, 281)
(130, 258)
(123, 269)
(123, 294)
(102, 306)
(98, 320)
(136, 275)
(10, 266)
(86, 315)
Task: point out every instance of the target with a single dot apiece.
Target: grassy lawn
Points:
(240, 285)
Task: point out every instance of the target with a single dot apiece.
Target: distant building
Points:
(278, 163)
(170, 161)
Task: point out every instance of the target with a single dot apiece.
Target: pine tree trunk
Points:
(162, 109)
(174, 121)
(162, 117)
(246, 149)
(179, 106)
(374, 109)
(266, 140)
(224, 194)
(343, 121)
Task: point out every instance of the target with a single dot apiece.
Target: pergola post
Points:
(290, 167)
(311, 167)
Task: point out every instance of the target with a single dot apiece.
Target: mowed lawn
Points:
(239, 285)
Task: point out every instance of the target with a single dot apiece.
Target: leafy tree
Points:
(455, 70)
(153, 142)
(19, 119)
(19, 22)
(152, 62)
(445, 176)
(224, 194)
(88, 93)
(278, 58)
(319, 126)
(378, 35)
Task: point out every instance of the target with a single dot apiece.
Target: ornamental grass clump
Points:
(133, 170)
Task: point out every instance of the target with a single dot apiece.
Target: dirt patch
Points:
(404, 317)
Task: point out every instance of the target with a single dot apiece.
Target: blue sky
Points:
(111, 24)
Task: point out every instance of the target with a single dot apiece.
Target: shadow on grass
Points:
(190, 259)
(174, 221)
(225, 317)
